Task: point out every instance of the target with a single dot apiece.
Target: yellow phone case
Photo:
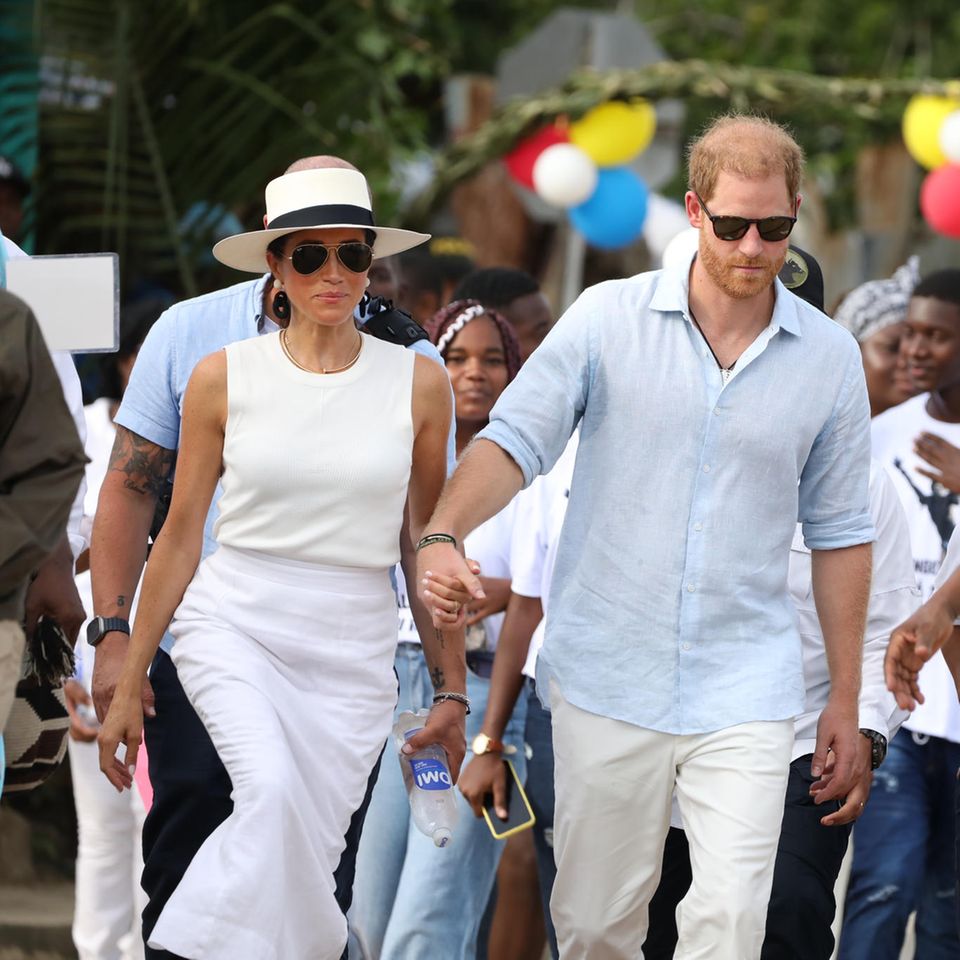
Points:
(494, 822)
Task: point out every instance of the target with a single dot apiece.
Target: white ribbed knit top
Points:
(316, 466)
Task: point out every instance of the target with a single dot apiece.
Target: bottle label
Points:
(430, 774)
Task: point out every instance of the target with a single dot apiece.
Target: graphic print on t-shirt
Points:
(938, 503)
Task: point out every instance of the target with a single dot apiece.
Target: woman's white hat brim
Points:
(316, 198)
(248, 251)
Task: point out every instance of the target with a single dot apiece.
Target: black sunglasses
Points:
(733, 228)
(308, 258)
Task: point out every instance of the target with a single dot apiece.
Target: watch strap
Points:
(100, 626)
(878, 746)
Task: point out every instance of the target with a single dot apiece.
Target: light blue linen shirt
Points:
(669, 606)
(182, 336)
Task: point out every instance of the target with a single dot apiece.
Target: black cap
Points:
(10, 174)
(801, 274)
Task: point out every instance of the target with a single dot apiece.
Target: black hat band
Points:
(331, 213)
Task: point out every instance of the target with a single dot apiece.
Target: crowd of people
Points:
(652, 553)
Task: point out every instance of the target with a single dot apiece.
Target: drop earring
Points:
(281, 302)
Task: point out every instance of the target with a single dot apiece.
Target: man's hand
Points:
(497, 590)
(107, 667)
(445, 727)
(446, 583)
(856, 798)
(482, 776)
(53, 594)
(912, 644)
(942, 456)
(75, 696)
(838, 731)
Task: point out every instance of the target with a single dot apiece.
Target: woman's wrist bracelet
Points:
(431, 538)
(460, 698)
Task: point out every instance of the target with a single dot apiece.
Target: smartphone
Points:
(519, 814)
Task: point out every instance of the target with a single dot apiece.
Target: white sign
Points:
(74, 298)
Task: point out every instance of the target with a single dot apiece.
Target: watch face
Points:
(94, 630)
(481, 743)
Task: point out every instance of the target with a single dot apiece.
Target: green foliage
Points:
(153, 106)
(885, 39)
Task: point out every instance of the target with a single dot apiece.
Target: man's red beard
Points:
(739, 286)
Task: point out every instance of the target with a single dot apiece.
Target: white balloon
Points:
(564, 175)
(680, 250)
(950, 137)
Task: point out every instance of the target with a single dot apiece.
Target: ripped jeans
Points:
(903, 855)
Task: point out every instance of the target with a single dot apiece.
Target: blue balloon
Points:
(614, 215)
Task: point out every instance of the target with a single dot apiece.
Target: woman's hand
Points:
(123, 725)
(942, 456)
(482, 776)
(497, 590)
(447, 583)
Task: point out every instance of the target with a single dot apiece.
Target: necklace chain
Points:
(286, 352)
(725, 372)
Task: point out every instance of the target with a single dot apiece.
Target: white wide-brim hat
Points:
(313, 199)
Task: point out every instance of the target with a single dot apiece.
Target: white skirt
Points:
(290, 667)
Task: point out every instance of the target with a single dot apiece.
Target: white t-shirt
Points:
(489, 545)
(541, 509)
(893, 597)
(932, 513)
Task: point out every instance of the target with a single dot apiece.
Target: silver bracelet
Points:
(461, 698)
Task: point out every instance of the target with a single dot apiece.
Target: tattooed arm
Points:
(136, 477)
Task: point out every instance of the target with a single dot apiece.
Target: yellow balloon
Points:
(613, 133)
(921, 128)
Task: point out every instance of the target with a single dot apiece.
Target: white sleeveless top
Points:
(316, 466)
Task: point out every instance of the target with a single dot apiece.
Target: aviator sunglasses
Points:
(308, 258)
(733, 228)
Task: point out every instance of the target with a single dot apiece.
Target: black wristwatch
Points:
(99, 627)
(878, 747)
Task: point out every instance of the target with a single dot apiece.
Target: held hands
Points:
(447, 583)
(445, 727)
(856, 798)
(838, 732)
(123, 725)
(943, 457)
(497, 590)
(912, 644)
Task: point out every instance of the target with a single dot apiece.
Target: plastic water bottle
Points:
(428, 781)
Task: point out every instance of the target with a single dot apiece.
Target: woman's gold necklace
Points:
(286, 351)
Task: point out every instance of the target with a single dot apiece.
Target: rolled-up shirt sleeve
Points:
(834, 506)
(537, 414)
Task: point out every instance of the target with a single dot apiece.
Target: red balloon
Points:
(940, 200)
(524, 155)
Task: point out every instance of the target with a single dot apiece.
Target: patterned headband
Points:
(462, 319)
(876, 305)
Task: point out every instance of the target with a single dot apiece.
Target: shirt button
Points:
(691, 587)
(706, 468)
(686, 646)
(716, 411)
(698, 527)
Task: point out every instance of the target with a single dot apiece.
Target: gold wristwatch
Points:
(483, 744)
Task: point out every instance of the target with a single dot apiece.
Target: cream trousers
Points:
(614, 783)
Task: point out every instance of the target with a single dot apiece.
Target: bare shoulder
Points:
(207, 387)
(429, 378)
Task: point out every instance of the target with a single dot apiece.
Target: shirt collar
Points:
(256, 305)
(672, 295)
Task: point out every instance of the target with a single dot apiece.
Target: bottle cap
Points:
(442, 836)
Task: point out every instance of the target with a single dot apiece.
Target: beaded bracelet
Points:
(431, 538)
(460, 698)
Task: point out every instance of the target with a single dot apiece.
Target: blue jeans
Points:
(903, 850)
(411, 899)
